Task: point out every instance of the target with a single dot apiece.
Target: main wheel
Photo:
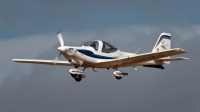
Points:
(118, 77)
(78, 79)
(74, 75)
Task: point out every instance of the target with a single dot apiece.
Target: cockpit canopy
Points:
(101, 46)
(94, 44)
(108, 48)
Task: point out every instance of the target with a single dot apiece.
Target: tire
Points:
(118, 78)
(78, 79)
(74, 75)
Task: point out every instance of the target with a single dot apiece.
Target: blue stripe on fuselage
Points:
(91, 54)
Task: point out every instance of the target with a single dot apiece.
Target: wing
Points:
(140, 58)
(46, 62)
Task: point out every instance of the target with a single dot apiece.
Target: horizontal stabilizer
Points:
(173, 59)
(46, 62)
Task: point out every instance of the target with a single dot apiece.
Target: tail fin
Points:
(163, 43)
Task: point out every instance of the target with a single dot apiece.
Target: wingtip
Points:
(180, 50)
(15, 60)
(184, 51)
(185, 58)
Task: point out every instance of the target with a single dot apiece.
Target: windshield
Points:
(108, 48)
(93, 44)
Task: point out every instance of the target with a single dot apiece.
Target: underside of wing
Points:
(140, 58)
(46, 62)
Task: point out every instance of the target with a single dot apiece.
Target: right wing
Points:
(141, 58)
(46, 62)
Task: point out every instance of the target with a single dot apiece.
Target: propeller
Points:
(61, 48)
(60, 39)
(56, 59)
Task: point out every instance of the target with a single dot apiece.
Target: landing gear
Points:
(78, 78)
(118, 77)
(76, 74)
(119, 74)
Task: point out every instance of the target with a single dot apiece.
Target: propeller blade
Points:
(60, 38)
(58, 56)
(56, 59)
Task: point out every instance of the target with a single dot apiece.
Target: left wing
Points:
(46, 62)
(140, 58)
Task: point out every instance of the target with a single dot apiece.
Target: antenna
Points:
(137, 51)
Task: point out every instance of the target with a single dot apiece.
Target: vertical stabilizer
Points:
(163, 43)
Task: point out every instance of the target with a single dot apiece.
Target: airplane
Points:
(101, 54)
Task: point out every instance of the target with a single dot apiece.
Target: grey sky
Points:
(28, 17)
(28, 30)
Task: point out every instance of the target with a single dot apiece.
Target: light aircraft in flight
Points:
(101, 54)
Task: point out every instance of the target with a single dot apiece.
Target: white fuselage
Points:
(87, 56)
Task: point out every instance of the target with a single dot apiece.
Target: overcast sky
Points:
(28, 30)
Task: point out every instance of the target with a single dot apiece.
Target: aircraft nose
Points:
(61, 49)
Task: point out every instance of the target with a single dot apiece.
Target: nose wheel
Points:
(118, 77)
(77, 77)
(119, 74)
